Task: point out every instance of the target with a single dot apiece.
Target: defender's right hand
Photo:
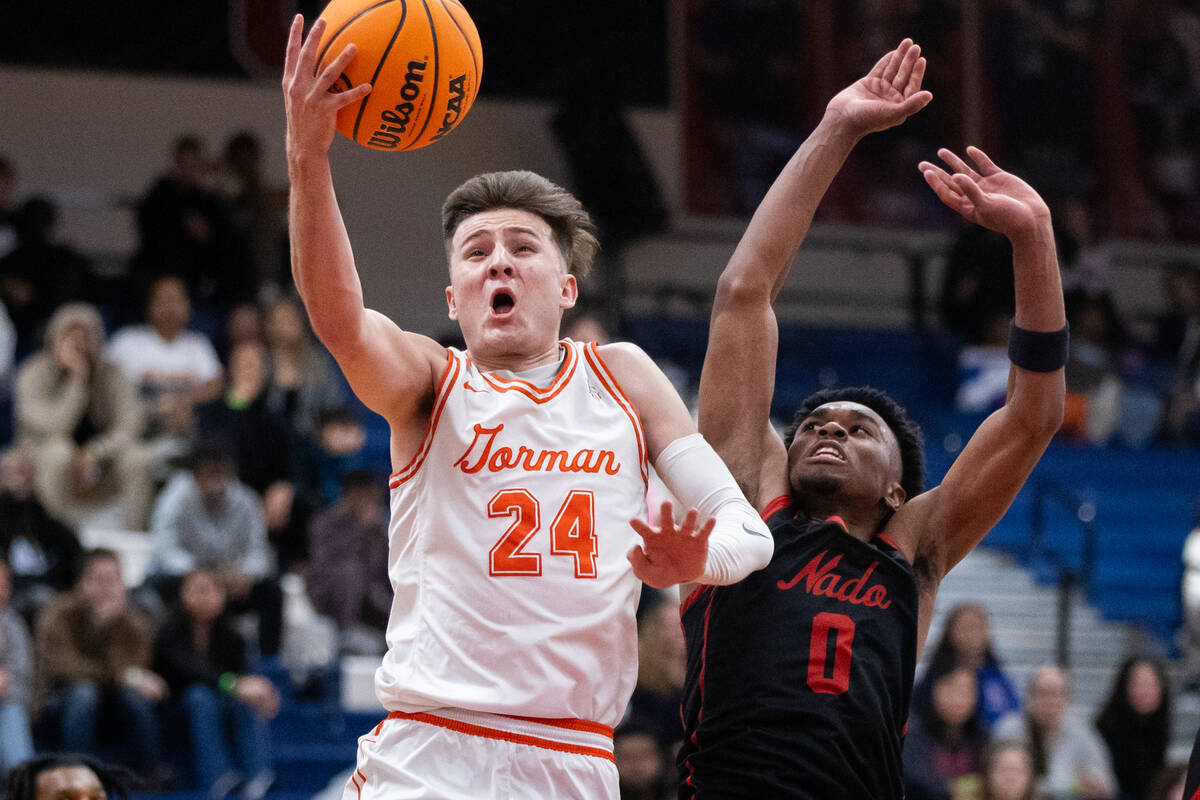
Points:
(310, 103)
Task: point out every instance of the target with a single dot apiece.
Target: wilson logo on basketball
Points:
(454, 106)
(482, 454)
(395, 121)
(820, 580)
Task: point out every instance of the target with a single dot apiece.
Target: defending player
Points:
(799, 676)
(519, 464)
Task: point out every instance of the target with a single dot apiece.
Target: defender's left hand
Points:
(668, 554)
(887, 95)
(987, 196)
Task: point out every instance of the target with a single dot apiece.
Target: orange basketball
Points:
(422, 59)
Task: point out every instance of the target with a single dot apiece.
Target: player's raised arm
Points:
(991, 469)
(739, 367)
(322, 261)
(721, 539)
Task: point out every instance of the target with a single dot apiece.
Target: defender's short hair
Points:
(572, 226)
(908, 433)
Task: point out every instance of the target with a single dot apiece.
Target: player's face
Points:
(846, 450)
(508, 283)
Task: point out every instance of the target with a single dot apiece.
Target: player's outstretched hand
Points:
(887, 95)
(986, 195)
(310, 103)
(668, 554)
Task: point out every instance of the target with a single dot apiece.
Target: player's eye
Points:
(808, 426)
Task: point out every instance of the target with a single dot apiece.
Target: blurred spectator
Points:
(303, 379)
(1069, 758)
(185, 229)
(203, 659)
(67, 776)
(662, 667)
(173, 368)
(16, 681)
(643, 765)
(243, 323)
(983, 369)
(8, 225)
(945, 740)
(40, 274)
(81, 422)
(1008, 772)
(966, 642)
(1168, 784)
(1135, 723)
(42, 553)
(977, 287)
(258, 213)
(1177, 326)
(336, 452)
(348, 554)
(1179, 332)
(1190, 634)
(1102, 405)
(206, 518)
(263, 447)
(92, 665)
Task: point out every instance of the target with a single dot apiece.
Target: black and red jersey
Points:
(799, 676)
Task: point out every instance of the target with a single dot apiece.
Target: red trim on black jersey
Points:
(691, 599)
(839, 521)
(775, 506)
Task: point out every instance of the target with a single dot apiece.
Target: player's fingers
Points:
(881, 65)
(293, 45)
(907, 64)
(956, 163)
(936, 177)
(897, 57)
(707, 528)
(969, 187)
(946, 191)
(981, 159)
(689, 522)
(915, 77)
(334, 68)
(666, 515)
(308, 51)
(637, 559)
(915, 103)
(642, 529)
(350, 96)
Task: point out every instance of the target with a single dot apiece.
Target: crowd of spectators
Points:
(187, 404)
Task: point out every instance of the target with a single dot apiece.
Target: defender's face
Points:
(508, 283)
(845, 449)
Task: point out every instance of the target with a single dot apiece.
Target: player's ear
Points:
(452, 307)
(895, 495)
(570, 293)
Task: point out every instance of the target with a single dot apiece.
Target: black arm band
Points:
(1038, 351)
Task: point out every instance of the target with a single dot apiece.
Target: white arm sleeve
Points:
(740, 542)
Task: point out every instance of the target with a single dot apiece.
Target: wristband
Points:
(227, 682)
(1038, 351)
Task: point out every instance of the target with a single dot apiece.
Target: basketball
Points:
(422, 59)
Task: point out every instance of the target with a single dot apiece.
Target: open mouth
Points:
(827, 453)
(502, 303)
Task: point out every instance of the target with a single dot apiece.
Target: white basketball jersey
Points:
(508, 537)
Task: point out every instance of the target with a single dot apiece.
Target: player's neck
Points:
(517, 362)
(859, 523)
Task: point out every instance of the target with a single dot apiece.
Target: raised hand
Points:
(986, 195)
(309, 99)
(668, 554)
(887, 95)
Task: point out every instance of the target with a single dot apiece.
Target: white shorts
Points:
(451, 754)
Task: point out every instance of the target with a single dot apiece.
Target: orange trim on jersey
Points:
(493, 733)
(839, 521)
(567, 723)
(604, 374)
(449, 376)
(534, 392)
(775, 506)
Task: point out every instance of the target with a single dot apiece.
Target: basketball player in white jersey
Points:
(520, 463)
